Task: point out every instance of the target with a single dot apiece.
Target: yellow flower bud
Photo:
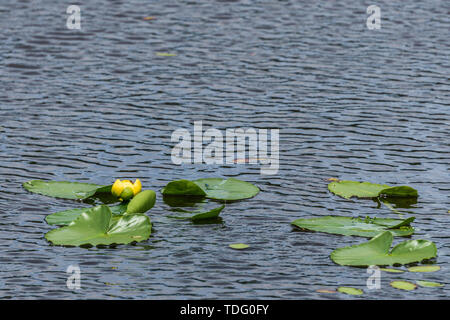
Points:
(119, 187)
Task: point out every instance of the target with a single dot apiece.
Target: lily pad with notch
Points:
(65, 217)
(348, 189)
(97, 227)
(348, 226)
(65, 189)
(376, 252)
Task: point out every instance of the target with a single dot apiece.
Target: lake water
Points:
(101, 103)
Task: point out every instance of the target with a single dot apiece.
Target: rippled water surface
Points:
(101, 103)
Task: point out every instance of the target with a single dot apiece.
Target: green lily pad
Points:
(348, 226)
(429, 283)
(348, 189)
(351, 291)
(65, 189)
(376, 252)
(65, 217)
(392, 270)
(95, 227)
(399, 192)
(403, 285)
(209, 215)
(183, 187)
(212, 188)
(227, 189)
(424, 269)
(239, 246)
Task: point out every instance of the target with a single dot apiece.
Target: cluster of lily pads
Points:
(381, 231)
(126, 221)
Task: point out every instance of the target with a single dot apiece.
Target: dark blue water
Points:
(99, 103)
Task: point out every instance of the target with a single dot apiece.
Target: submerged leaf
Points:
(376, 252)
(403, 285)
(95, 227)
(368, 227)
(65, 189)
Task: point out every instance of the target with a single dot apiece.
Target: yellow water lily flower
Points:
(125, 189)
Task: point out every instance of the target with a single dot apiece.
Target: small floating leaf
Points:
(350, 290)
(326, 291)
(368, 227)
(424, 269)
(95, 227)
(429, 283)
(149, 18)
(165, 54)
(239, 246)
(376, 252)
(403, 285)
(392, 270)
(209, 215)
(65, 189)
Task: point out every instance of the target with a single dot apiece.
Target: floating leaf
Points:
(165, 54)
(392, 270)
(424, 269)
(348, 189)
(67, 216)
(149, 18)
(209, 215)
(403, 285)
(239, 246)
(227, 189)
(429, 283)
(350, 290)
(95, 227)
(65, 189)
(326, 291)
(348, 226)
(212, 188)
(399, 192)
(376, 252)
(184, 188)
